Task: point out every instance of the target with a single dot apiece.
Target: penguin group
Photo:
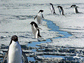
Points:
(39, 16)
(61, 11)
(34, 26)
(15, 52)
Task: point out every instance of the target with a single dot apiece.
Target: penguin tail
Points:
(40, 36)
(54, 13)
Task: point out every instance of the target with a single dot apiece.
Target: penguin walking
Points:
(35, 30)
(61, 11)
(14, 51)
(74, 6)
(39, 17)
(52, 9)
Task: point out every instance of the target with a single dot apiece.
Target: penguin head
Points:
(59, 7)
(51, 4)
(74, 6)
(14, 38)
(40, 10)
(33, 23)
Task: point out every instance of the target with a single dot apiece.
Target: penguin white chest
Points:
(35, 31)
(51, 9)
(60, 11)
(39, 18)
(15, 53)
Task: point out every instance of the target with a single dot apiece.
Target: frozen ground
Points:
(72, 24)
(15, 18)
(17, 15)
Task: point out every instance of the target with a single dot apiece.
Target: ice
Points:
(16, 16)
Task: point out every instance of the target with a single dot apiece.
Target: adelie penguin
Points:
(14, 53)
(61, 11)
(52, 8)
(39, 17)
(74, 6)
(35, 30)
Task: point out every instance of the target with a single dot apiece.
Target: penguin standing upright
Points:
(52, 9)
(14, 51)
(74, 6)
(61, 11)
(39, 17)
(35, 30)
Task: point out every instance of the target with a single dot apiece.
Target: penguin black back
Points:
(41, 10)
(61, 9)
(34, 24)
(73, 5)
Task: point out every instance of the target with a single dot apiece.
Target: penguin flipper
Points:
(39, 28)
(35, 17)
(24, 57)
(42, 16)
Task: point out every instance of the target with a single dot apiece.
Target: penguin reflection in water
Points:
(39, 17)
(74, 6)
(35, 30)
(14, 53)
(61, 11)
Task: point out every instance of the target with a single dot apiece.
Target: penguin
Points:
(39, 17)
(52, 9)
(35, 30)
(14, 51)
(61, 11)
(76, 10)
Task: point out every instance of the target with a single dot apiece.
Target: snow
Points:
(74, 24)
(15, 18)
